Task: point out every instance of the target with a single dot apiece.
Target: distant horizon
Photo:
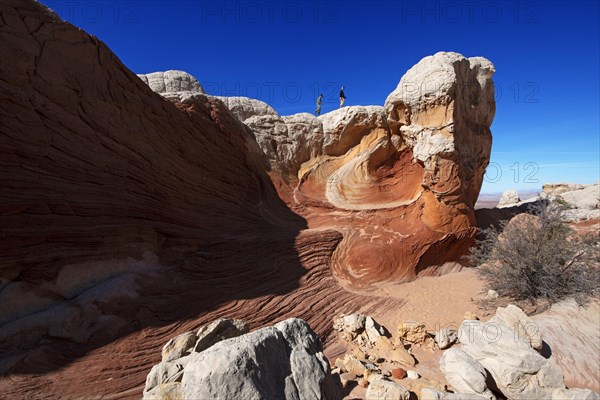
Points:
(547, 123)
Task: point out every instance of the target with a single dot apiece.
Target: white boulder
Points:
(518, 371)
(464, 373)
(509, 198)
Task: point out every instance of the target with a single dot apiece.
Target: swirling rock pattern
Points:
(399, 181)
(128, 216)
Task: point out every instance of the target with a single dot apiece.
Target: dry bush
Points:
(538, 257)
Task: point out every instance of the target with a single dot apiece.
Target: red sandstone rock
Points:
(398, 373)
(126, 218)
(399, 181)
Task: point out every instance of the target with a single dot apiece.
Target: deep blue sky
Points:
(546, 53)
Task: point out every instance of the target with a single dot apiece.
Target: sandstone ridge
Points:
(127, 216)
(400, 181)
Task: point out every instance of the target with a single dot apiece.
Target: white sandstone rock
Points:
(513, 317)
(464, 373)
(574, 394)
(509, 198)
(345, 127)
(518, 370)
(217, 331)
(179, 346)
(587, 198)
(281, 361)
(162, 373)
(445, 338)
(410, 374)
(245, 107)
(382, 389)
(373, 330)
(353, 323)
(172, 81)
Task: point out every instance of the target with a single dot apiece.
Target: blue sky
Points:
(546, 53)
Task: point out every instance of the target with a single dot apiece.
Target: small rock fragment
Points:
(346, 378)
(382, 389)
(398, 373)
(445, 338)
(470, 316)
(410, 374)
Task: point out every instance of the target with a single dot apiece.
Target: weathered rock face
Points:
(172, 81)
(284, 361)
(443, 107)
(127, 219)
(513, 317)
(555, 189)
(465, 374)
(572, 335)
(121, 211)
(400, 181)
(286, 141)
(499, 357)
(445, 338)
(344, 128)
(406, 177)
(582, 201)
(518, 371)
(100, 175)
(126, 216)
(509, 198)
(382, 390)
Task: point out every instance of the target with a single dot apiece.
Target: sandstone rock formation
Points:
(559, 188)
(495, 359)
(217, 331)
(443, 107)
(400, 181)
(409, 182)
(518, 371)
(572, 335)
(276, 362)
(382, 390)
(128, 217)
(524, 328)
(465, 374)
(582, 202)
(103, 180)
(509, 198)
(504, 346)
(445, 338)
(580, 206)
(172, 82)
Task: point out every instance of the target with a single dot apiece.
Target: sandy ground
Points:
(436, 302)
(571, 332)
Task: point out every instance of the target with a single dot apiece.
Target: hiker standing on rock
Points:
(319, 102)
(342, 97)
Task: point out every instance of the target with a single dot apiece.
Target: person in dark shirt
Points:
(319, 102)
(342, 97)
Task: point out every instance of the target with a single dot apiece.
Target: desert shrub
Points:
(559, 201)
(538, 256)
